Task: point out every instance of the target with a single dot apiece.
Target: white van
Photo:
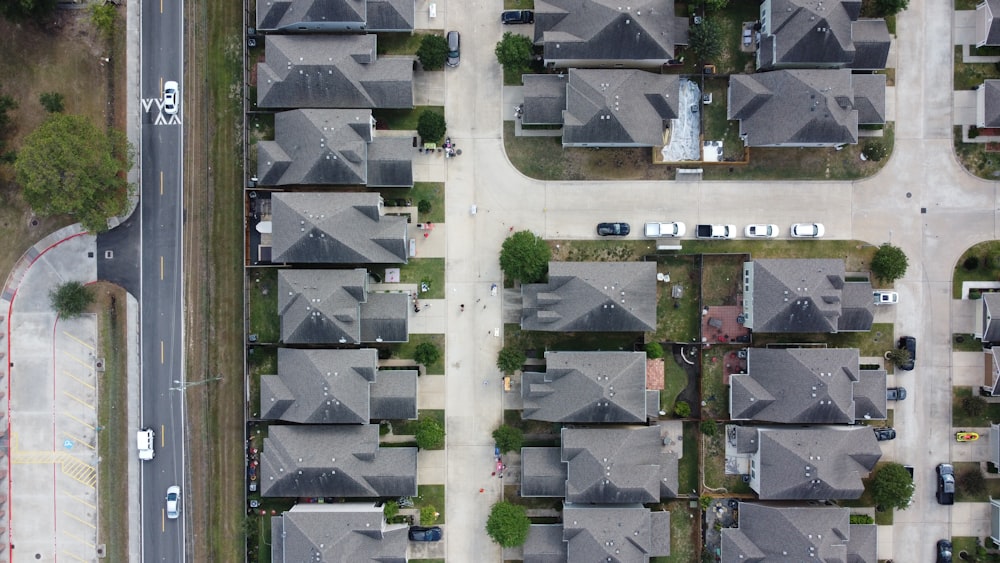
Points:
(145, 439)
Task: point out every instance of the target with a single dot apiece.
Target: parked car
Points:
(173, 502)
(517, 16)
(424, 533)
(883, 297)
(895, 394)
(761, 231)
(145, 439)
(808, 230)
(613, 229)
(714, 231)
(454, 54)
(882, 434)
(170, 96)
(945, 483)
(658, 230)
(943, 551)
(909, 344)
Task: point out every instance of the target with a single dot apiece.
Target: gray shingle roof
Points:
(589, 30)
(391, 15)
(796, 385)
(863, 547)
(543, 474)
(390, 162)
(988, 23)
(869, 97)
(815, 462)
(280, 14)
(587, 387)
(316, 146)
(385, 318)
(869, 395)
(618, 465)
(625, 534)
(334, 461)
(801, 107)
(620, 107)
(991, 316)
(805, 295)
(394, 395)
(592, 297)
(991, 95)
(545, 544)
(544, 99)
(871, 44)
(335, 228)
(336, 533)
(769, 532)
(814, 33)
(331, 71)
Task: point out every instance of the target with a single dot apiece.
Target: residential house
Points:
(807, 386)
(602, 33)
(589, 387)
(334, 461)
(803, 463)
(331, 71)
(337, 532)
(619, 108)
(332, 16)
(625, 534)
(334, 306)
(991, 372)
(333, 147)
(818, 34)
(987, 326)
(803, 296)
(592, 297)
(810, 533)
(335, 228)
(805, 108)
(602, 466)
(988, 23)
(544, 98)
(988, 104)
(994, 518)
(336, 387)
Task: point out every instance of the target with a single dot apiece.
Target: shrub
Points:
(71, 299)
(654, 350)
(390, 510)
(428, 515)
(424, 206)
(974, 406)
(975, 294)
(53, 102)
(973, 130)
(430, 434)
(875, 150)
(510, 359)
(709, 427)
(508, 438)
(433, 52)
(431, 126)
(889, 263)
(898, 356)
(861, 519)
(706, 40)
(682, 409)
(513, 52)
(972, 482)
(971, 263)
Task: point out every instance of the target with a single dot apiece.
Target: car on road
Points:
(883, 434)
(173, 502)
(761, 231)
(807, 230)
(671, 229)
(454, 51)
(943, 551)
(883, 297)
(895, 394)
(517, 16)
(425, 533)
(945, 483)
(171, 97)
(145, 439)
(909, 344)
(613, 229)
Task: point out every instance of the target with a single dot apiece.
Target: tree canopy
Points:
(426, 353)
(889, 263)
(892, 487)
(430, 434)
(71, 299)
(524, 256)
(53, 102)
(508, 438)
(510, 359)
(514, 52)
(68, 165)
(431, 126)
(20, 10)
(890, 7)
(508, 524)
(433, 52)
(705, 40)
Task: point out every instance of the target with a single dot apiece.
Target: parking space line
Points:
(79, 539)
(71, 417)
(75, 358)
(78, 499)
(68, 554)
(77, 340)
(77, 439)
(78, 380)
(78, 519)
(79, 400)
(78, 471)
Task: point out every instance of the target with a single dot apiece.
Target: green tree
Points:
(890, 7)
(508, 438)
(390, 509)
(70, 166)
(71, 299)
(889, 263)
(433, 52)
(654, 350)
(102, 15)
(716, 5)
(430, 434)
(428, 515)
(709, 427)
(513, 52)
(898, 356)
(431, 126)
(426, 353)
(22, 10)
(524, 256)
(510, 359)
(53, 102)
(424, 206)
(892, 487)
(682, 409)
(508, 524)
(875, 150)
(705, 40)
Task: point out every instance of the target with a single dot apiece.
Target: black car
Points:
(945, 483)
(895, 394)
(909, 344)
(882, 434)
(424, 533)
(944, 551)
(613, 229)
(517, 16)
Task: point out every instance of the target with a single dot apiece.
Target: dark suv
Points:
(517, 16)
(909, 344)
(945, 483)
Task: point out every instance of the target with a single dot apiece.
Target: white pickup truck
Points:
(715, 231)
(145, 439)
(658, 230)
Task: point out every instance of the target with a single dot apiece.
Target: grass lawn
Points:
(687, 468)
(715, 124)
(262, 288)
(677, 319)
(970, 75)
(403, 119)
(960, 418)
(730, 22)
(579, 341)
(966, 343)
(714, 470)
(722, 278)
(674, 381)
(405, 350)
(430, 191)
(685, 533)
(987, 268)
(431, 495)
(402, 43)
(873, 343)
(963, 471)
(512, 417)
(430, 270)
(260, 361)
(512, 494)
(258, 527)
(409, 427)
(714, 393)
(975, 158)
(601, 250)
(857, 256)
(518, 4)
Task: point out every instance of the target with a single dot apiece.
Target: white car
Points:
(145, 439)
(173, 502)
(885, 297)
(807, 230)
(658, 230)
(171, 97)
(761, 231)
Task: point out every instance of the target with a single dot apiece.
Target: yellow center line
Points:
(161, 352)
(78, 519)
(75, 419)
(163, 439)
(161, 6)
(77, 379)
(79, 539)
(76, 498)
(163, 519)
(77, 340)
(161, 182)
(77, 439)
(161, 268)
(79, 400)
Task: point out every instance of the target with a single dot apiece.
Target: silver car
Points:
(453, 48)
(173, 502)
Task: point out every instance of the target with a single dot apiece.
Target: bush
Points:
(875, 150)
(709, 427)
(973, 130)
(510, 359)
(508, 524)
(971, 263)
(508, 438)
(430, 434)
(682, 409)
(974, 406)
(861, 519)
(975, 294)
(972, 482)
(53, 102)
(654, 350)
(428, 515)
(889, 263)
(433, 52)
(705, 40)
(71, 299)
(390, 510)
(898, 356)
(431, 126)
(426, 353)
(890, 7)
(424, 206)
